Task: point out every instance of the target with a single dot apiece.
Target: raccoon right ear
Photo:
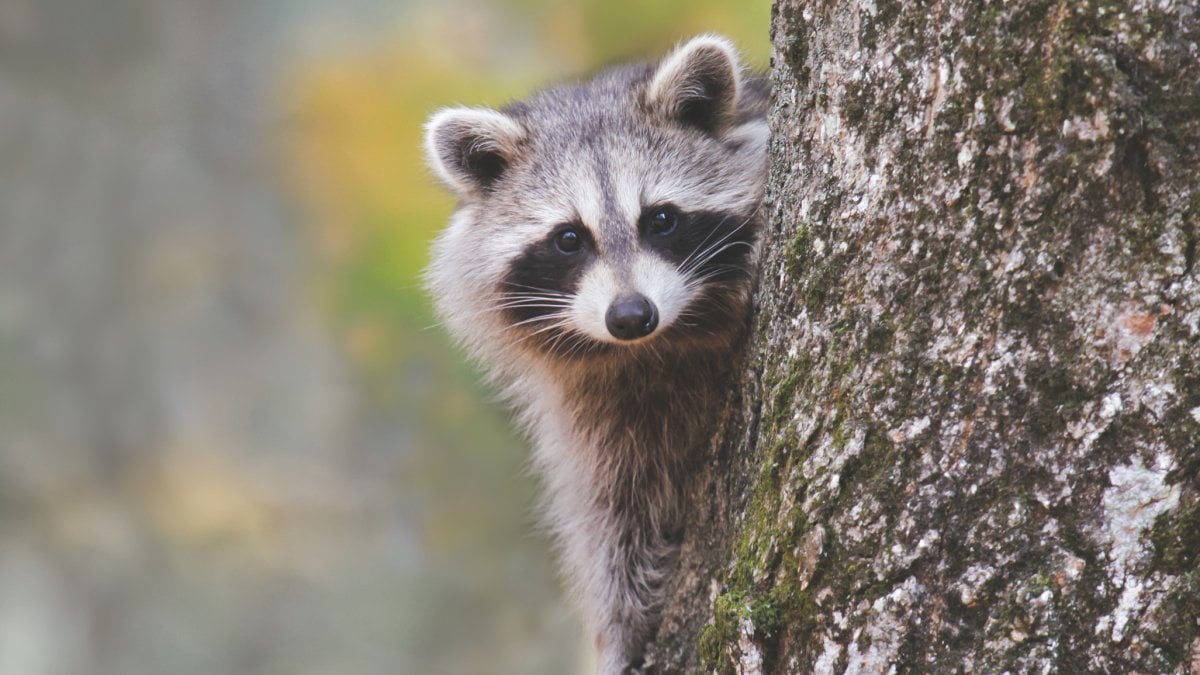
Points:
(470, 148)
(698, 84)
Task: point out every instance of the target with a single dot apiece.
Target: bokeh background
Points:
(232, 437)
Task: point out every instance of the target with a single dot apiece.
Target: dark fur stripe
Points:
(542, 270)
(699, 234)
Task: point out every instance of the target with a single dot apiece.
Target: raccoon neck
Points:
(642, 423)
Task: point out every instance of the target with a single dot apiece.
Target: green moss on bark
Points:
(1176, 539)
(985, 233)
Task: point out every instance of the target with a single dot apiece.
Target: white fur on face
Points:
(587, 200)
(663, 285)
(734, 186)
(602, 285)
(636, 183)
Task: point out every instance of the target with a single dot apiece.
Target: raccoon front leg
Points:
(621, 579)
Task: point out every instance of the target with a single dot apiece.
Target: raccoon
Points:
(599, 266)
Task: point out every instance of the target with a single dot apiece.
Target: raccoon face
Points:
(666, 271)
(609, 215)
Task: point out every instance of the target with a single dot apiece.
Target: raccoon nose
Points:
(631, 317)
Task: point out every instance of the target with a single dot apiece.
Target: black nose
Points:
(631, 317)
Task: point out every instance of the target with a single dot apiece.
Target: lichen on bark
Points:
(968, 432)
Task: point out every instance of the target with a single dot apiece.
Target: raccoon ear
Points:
(697, 84)
(470, 148)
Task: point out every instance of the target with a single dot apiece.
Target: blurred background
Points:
(232, 437)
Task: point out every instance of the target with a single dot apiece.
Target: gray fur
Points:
(616, 423)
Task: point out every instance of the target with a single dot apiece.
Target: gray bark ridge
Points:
(968, 435)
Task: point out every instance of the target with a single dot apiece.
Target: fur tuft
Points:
(469, 148)
(698, 84)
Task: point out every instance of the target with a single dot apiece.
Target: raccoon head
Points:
(606, 215)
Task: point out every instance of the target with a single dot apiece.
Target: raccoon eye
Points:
(661, 220)
(568, 241)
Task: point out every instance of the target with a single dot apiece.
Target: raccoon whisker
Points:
(653, 348)
(559, 319)
(537, 289)
(711, 232)
(569, 343)
(530, 296)
(560, 346)
(694, 312)
(558, 322)
(581, 343)
(558, 306)
(541, 313)
(472, 313)
(704, 283)
(508, 295)
(480, 314)
(553, 340)
(683, 316)
(566, 344)
(534, 305)
(701, 247)
(557, 325)
(707, 253)
(553, 343)
(701, 256)
(512, 299)
(519, 301)
(555, 329)
(577, 346)
(703, 261)
(717, 270)
(698, 282)
(534, 291)
(688, 314)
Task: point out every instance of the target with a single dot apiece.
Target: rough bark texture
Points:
(968, 436)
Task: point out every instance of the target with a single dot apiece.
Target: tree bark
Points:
(968, 431)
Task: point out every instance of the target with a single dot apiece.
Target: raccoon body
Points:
(599, 266)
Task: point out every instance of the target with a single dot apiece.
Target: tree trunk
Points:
(968, 431)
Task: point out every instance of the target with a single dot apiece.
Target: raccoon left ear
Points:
(698, 84)
(470, 148)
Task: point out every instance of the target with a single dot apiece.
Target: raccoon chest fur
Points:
(599, 267)
(617, 450)
(632, 433)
